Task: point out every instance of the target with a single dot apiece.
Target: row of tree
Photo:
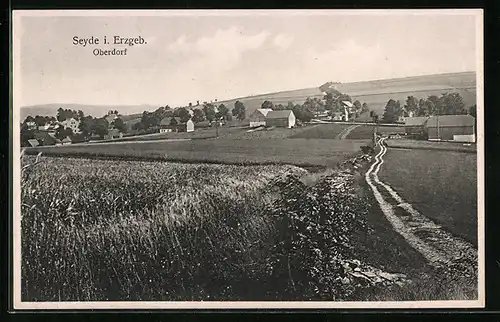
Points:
(446, 104)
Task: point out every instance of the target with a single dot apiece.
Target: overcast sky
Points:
(189, 58)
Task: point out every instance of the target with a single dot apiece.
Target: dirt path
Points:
(439, 247)
(342, 135)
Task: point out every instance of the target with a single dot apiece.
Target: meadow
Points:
(366, 131)
(303, 152)
(442, 185)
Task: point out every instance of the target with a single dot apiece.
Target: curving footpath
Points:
(439, 247)
(342, 135)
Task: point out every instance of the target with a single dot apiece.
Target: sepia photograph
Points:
(248, 159)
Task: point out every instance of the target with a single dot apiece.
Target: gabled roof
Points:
(283, 114)
(451, 120)
(347, 103)
(66, 139)
(33, 142)
(416, 121)
(264, 111)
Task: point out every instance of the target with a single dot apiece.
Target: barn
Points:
(258, 117)
(66, 140)
(283, 118)
(415, 125)
(168, 125)
(451, 128)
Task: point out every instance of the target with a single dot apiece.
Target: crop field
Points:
(323, 131)
(442, 185)
(326, 153)
(366, 131)
(129, 230)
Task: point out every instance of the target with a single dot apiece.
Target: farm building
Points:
(66, 141)
(47, 138)
(167, 124)
(113, 134)
(338, 116)
(284, 118)
(451, 128)
(258, 117)
(33, 143)
(415, 125)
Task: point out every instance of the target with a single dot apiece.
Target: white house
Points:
(73, 124)
(258, 117)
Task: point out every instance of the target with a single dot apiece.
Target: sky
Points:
(195, 57)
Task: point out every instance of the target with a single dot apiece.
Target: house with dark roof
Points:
(66, 140)
(283, 118)
(46, 138)
(174, 124)
(258, 117)
(451, 128)
(415, 125)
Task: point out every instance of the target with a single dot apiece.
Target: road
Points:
(342, 135)
(439, 247)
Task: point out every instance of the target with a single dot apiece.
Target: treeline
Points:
(446, 104)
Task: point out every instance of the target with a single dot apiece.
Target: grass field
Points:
(263, 151)
(442, 185)
(366, 131)
(432, 145)
(122, 230)
(323, 131)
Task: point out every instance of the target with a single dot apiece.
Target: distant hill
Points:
(94, 110)
(375, 93)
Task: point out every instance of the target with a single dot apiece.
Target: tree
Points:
(209, 110)
(472, 110)
(119, 125)
(80, 114)
(411, 106)
(198, 115)
(239, 110)
(451, 104)
(390, 112)
(184, 115)
(302, 113)
(63, 132)
(100, 127)
(357, 105)
(173, 121)
(223, 112)
(422, 108)
(365, 108)
(267, 104)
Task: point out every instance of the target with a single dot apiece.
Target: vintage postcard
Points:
(224, 159)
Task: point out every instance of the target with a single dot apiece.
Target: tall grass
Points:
(110, 230)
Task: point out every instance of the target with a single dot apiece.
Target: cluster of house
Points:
(46, 134)
(459, 128)
(270, 118)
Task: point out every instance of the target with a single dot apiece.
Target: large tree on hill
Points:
(239, 110)
(63, 132)
(365, 108)
(100, 127)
